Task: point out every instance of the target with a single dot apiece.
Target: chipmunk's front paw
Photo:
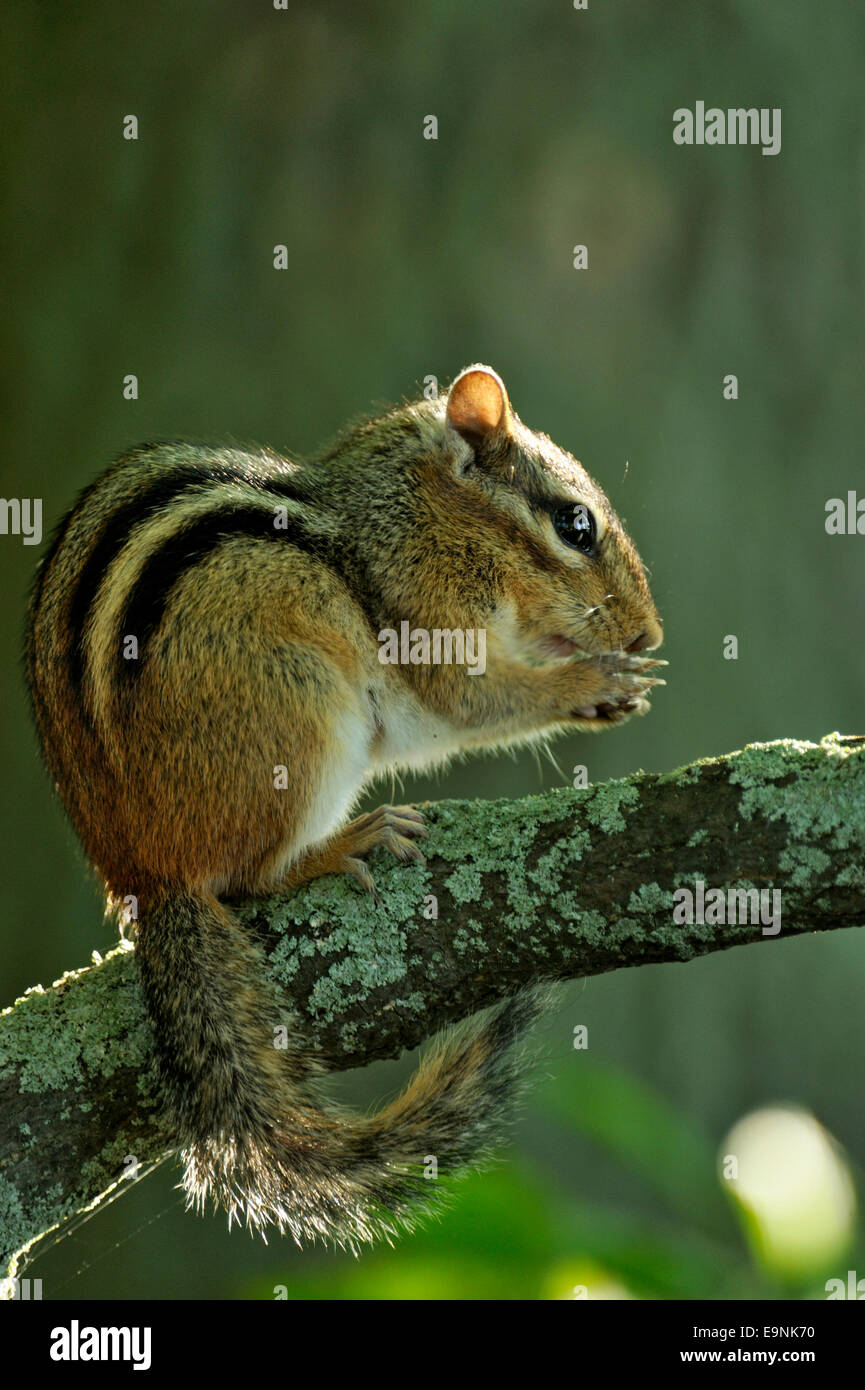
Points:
(619, 687)
(393, 827)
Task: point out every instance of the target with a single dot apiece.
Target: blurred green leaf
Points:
(647, 1135)
(508, 1236)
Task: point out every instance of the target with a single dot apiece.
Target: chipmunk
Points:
(204, 616)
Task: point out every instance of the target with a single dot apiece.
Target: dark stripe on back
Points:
(58, 536)
(189, 547)
(62, 526)
(177, 483)
(122, 523)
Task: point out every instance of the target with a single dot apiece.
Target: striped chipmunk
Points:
(206, 615)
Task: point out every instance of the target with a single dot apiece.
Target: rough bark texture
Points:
(561, 885)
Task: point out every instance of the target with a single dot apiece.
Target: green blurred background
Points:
(410, 257)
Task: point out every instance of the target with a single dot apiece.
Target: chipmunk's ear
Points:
(478, 406)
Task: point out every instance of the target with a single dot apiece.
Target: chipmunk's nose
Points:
(651, 637)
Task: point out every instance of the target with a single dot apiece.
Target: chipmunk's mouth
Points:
(557, 646)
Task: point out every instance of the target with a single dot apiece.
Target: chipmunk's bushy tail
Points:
(258, 1139)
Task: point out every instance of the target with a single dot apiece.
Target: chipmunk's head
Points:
(572, 577)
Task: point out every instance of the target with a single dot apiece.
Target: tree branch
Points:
(561, 885)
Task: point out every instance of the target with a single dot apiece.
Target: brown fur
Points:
(258, 649)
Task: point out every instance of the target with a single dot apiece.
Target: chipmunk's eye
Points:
(576, 526)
